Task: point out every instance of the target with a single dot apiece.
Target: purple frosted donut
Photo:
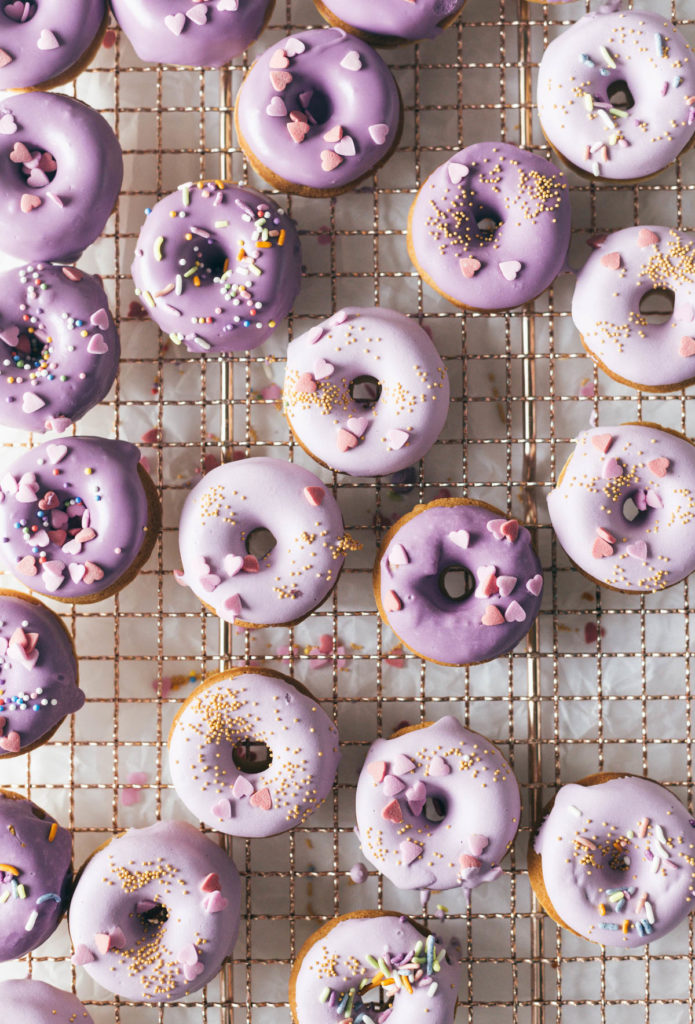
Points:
(217, 265)
(317, 112)
(614, 94)
(345, 433)
(490, 228)
(35, 875)
(59, 347)
(473, 796)
(415, 581)
(35, 1002)
(263, 707)
(391, 21)
(77, 517)
(233, 502)
(155, 912)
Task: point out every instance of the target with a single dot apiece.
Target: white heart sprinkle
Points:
(346, 147)
(457, 172)
(47, 40)
(510, 269)
(351, 61)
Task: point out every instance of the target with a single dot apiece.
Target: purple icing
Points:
(452, 238)
(411, 20)
(35, 1002)
(241, 249)
(42, 39)
(155, 912)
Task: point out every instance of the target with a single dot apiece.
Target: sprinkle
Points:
(325, 995)
(609, 926)
(649, 911)
(602, 910)
(31, 920)
(588, 101)
(586, 59)
(52, 832)
(626, 926)
(606, 54)
(660, 44)
(9, 869)
(158, 254)
(48, 896)
(574, 810)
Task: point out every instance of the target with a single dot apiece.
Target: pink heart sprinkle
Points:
(505, 585)
(510, 529)
(535, 585)
(605, 534)
(602, 442)
(37, 178)
(346, 146)
(323, 369)
(601, 549)
(198, 14)
(641, 500)
(210, 582)
(222, 809)
(242, 788)
(188, 955)
(279, 60)
(351, 61)
(53, 568)
(294, 46)
(232, 604)
(397, 438)
(82, 956)
(410, 851)
(298, 131)
(357, 425)
(306, 384)
(659, 466)
(102, 941)
(392, 786)
(97, 346)
(686, 347)
(276, 107)
(647, 237)
(402, 765)
(510, 269)
(232, 564)
(439, 767)
(514, 612)
(468, 863)
(211, 883)
(5, 59)
(191, 971)
(261, 799)
(392, 602)
(487, 581)
(345, 440)
(457, 172)
(31, 402)
(637, 550)
(100, 319)
(477, 844)
(93, 573)
(334, 134)
(377, 770)
(29, 202)
(11, 743)
(398, 556)
(214, 903)
(175, 23)
(280, 80)
(27, 566)
(330, 160)
(654, 500)
(469, 266)
(56, 453)
(392, 812)
(378, 133)
(76, 571)
(20, 154)
(492, 616)
(611, 469)
(461, 538)
(611, 260)
(314, 335)
(314, 495)
(47, 40)
(251, 563)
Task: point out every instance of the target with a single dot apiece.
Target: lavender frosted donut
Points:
(613, 860)
(35, 1002)
(155, 912)
(60, 174)
(417, 596)
(78, 517)
(470, 784)
(335, 964)
(391, 22)
(265, 707)
(355, 345)
(35, 875)
(614, 94)
(490, 228)
(318, 112)
(217, 265)
(624, 506)
(231, 503)
(60, 349)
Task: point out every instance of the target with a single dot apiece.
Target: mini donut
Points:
(35, 875)
(501, 570)
(340, 431)
(391, 22)
(78, 519)
(60, 349)
(217, 265)
(490, 228)
(230, 504)
(614, 93)
(624, 505)
(35, 1002)
(155, 912)
(318, 112)
(468, 782)
(612, 860)
(266, 707)
(353, 953)
(61, 169)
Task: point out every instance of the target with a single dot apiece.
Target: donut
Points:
(318, 112)
(222, 280)
(35, 875)
(78, 518)
(416, 589)
(235, 501)
(154, 913)
(206, 752)
(350, 955)
(350, 435)
(391, 22)
(60, 349)
(624, 505)
(437, 807)
(612, 860)
(38, 674)
(60, 174)
(35, 1002)
(614, 94)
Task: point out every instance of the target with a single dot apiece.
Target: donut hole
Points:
(635, 509)
(154, 916)
(488, 222)
(656, 305)
(319, 106)
(619, 95)
(260, 542)
(28, 354)
(251, 756)
(365, 391)
(19, 10)
(456, 582)
(203, 258)
(39, 171)
(435, 809)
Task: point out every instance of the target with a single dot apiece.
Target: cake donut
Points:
(624, 506)
(35, 875)
(78, 518)
(355, 953)
(420, 560)
(462, 782)
(217, 265)
(61, 169)
(206, 745)
(490, 227)
(35, 1002)
(612, 860)
(391, 22)
(615, 92)
(59, 347)
(233, 502)
(155, 912)
(317, 112)
(342, 431)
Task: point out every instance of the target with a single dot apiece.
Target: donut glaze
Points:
(413, 386)
(577, 77)
(654, 470)
(497, 555)
(349, 950)
(217, 266)
(617, 860)
(230, 708)
(465, 774)
(35, 1002)
(59, 347)
(238, 498)
(35, 875)
(392, 20)
(481, 267)
(318, 111)
(60, 174)
(155, 912)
